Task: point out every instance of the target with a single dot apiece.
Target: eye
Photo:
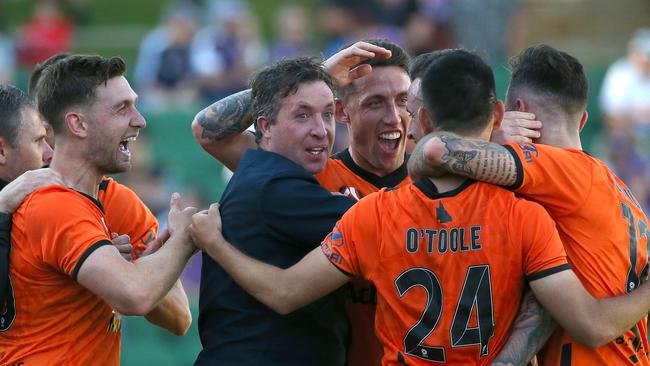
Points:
(328, 115)
(401, 101)
(302, 115)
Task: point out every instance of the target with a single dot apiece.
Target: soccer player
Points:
(127, 215)
(449, 273)
(602, 226)
(68, 284)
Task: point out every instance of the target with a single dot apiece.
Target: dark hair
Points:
(556, 74)
(12, 100)
(398, 58)
(418, 64)
(72, 81)
(277, 81)
(458, 92)
(38, 70)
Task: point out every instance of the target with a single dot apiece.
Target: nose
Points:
(393, 116)
(47, 153)
(138, 120)
(319, 127)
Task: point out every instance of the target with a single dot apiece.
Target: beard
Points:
(104, 157)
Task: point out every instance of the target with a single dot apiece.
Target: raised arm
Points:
(220, 128)
(283, 290)
(530, 331)
(442, 153)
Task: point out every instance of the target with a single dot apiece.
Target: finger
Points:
(377, 50)
(124, 248)
(525, 132)
(528, 123)
(214, 209)
(175, 201)
(114, 235)
(361, 53)
(519, 139)
(519, 115)
(359, 71)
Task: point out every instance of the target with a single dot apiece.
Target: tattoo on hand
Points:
(227, 117)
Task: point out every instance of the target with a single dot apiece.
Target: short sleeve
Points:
(543, 251)
(66, 227)
(353, 245)
(301, 210)
(127, 214)
(559, 179)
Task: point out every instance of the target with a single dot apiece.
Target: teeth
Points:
(316, 150)
(390, 135)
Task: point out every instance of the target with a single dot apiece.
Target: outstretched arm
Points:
(220, 127)
(283, 290)
(441, 153)
(530, 330)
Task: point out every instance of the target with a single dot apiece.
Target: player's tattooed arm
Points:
(440, 153)
(226, 117)
(220, 128)
(530, 330)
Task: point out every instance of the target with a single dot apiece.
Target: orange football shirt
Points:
(127, 214)
(52, 320)
(605, 235)
(449, 268)
(343, 175)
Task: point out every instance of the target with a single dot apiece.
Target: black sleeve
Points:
(5, 246)
(302, 210)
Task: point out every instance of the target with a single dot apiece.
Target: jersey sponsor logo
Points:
(329, 242)
(530, 151)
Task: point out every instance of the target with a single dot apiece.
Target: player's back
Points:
(605, 234)
(449, 268)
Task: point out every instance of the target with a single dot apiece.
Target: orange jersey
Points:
(449, 268)
(51, 319)
(127, 214)
(343, 175)
(605, 235)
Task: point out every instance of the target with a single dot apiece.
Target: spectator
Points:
(227, 50)
(46, 33)
(292, 28)
(625, 102)
(164, 73)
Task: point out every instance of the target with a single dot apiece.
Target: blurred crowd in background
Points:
(202, 50)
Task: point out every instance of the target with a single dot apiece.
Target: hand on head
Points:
(344, 66)
(517, 127)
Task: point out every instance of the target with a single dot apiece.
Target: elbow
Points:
(182, 324)
(282, 303)
(197, 131)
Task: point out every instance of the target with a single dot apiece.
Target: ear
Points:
(4, 151)
(425, 121)
(583, 120)
(264, 126)
(340, 115)
(499, 112)
(521, 105)
(77, 124)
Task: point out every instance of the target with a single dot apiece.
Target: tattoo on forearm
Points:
(479, 160)
(530, 331)
(227, 117)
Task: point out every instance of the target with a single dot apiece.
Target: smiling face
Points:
(114, 122)
(303, 130)
(378, 120)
